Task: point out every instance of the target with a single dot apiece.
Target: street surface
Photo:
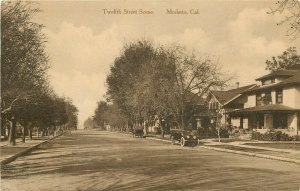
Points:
(93, 161)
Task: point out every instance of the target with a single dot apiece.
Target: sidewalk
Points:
(10, 153)
(239, 147)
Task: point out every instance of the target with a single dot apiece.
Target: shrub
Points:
(274, 136)
(224, 133)
(212, 132)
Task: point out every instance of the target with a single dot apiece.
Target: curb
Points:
(156, 139)
(253, 154)
(21, 153)
(238, 152)
(125, 134)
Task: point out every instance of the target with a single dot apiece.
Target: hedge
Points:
(274, 136)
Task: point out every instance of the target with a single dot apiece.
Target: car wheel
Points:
(182, 141)
(172, 140)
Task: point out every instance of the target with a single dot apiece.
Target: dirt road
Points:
(94, 161)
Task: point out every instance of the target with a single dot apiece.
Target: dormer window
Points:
(268, 82)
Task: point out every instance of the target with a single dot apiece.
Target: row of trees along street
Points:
(148, 82)
(27, 99)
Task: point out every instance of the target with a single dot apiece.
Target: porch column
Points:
(293, 122)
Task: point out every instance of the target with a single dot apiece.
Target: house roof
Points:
(279, 73)
(195, 98)
(226, 96)
(204, 114)
(264, 108)
(293, 79)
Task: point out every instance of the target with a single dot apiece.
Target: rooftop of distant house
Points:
(225, 96)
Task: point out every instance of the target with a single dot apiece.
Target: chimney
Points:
(237, 84)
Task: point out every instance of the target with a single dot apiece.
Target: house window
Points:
(214, 105)
(267, 98)
(279, 96)
(258, 100)
(266, 82)
(211, 105)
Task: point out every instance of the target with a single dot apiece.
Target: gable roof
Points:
(195, 98)
(225, 97)
(279, 73)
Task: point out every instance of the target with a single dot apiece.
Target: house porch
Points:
(286, 121)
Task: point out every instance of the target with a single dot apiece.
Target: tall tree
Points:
(24, 61)
(102, 107)
(148, 81)
(289, 59)
(126, 74)
(72, 114)
(195, 75)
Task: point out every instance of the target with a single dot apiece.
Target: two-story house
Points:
(274, 104)
(222, 102)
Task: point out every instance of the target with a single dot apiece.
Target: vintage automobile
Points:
(138, 132)
(185, 136)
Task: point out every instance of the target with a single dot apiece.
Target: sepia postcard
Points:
(150, 95)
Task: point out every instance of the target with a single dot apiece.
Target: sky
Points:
(83, 40)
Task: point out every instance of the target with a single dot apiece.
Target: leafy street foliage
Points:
(27, 98)
(149, 82)
(291, 11)
(288, 60)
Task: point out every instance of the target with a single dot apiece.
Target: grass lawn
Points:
(277, 145)
(229, 140)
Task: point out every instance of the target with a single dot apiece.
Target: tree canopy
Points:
(27, 98)
(289, 59)
(147, 81)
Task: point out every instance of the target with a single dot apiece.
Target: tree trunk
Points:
(182, 118)
(8, 131)
(162, 133)
(25, 129)
(38, 132)
(3, 128)
(218, 129)
(12, 133)
(30, 132)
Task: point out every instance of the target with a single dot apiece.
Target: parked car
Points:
(138, 132)
(184, 136)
